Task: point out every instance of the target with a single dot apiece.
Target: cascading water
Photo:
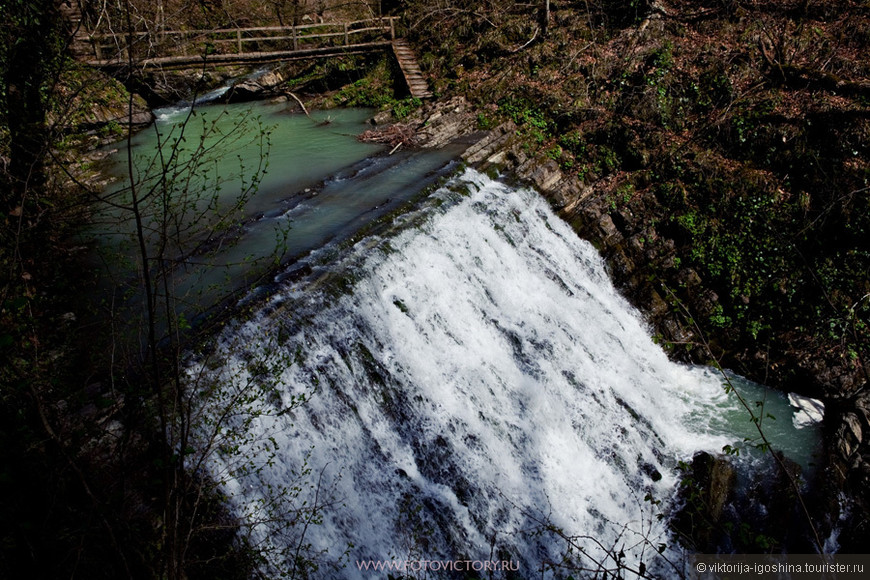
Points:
(474, 382)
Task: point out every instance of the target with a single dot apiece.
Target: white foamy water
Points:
(178, 112)
(471, 377)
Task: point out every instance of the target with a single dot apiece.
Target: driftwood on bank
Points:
(392, 135)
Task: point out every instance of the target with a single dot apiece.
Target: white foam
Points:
(483, 375)
(808, 411)
(176, 112)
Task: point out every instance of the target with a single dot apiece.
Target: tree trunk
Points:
(544, 17)
(30, 56)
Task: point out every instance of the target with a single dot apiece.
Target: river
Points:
(450, 377)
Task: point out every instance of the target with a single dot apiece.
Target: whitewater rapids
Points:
(472, 382)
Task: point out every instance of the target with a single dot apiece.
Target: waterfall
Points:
(463, 384)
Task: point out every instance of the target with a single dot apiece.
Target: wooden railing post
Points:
(392, 28)
(239, 38)
(345, 34)
(295, 40)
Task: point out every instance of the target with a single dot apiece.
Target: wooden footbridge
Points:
(176, 49)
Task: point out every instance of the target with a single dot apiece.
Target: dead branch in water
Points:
(301, 104)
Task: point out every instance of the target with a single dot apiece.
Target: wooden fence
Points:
(243, 44)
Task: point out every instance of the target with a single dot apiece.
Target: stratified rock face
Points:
(491, 149)
(437, 123)
(446, 121)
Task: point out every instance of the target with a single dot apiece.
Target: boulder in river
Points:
(256, 88)
(744, 505)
